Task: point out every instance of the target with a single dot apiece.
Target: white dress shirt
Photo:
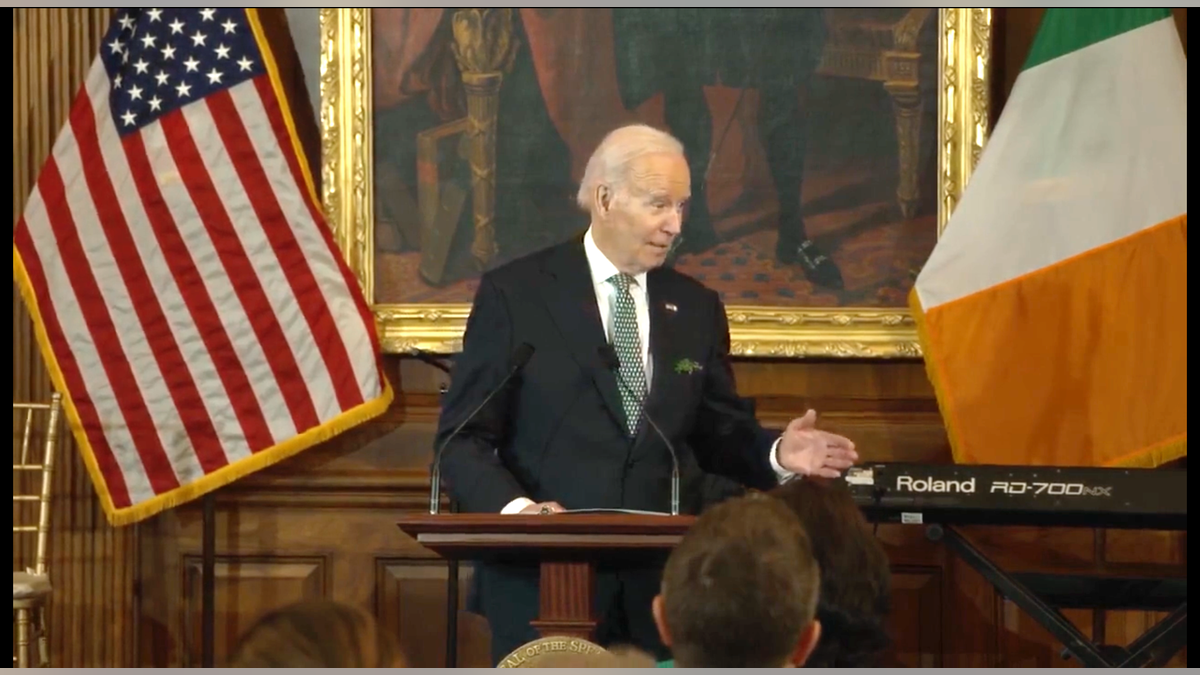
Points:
(606, 299)
(602, 269)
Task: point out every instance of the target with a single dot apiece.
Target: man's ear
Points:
(658, 609)
(604, 198)
(806, 643)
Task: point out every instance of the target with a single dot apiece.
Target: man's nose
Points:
(674, 223)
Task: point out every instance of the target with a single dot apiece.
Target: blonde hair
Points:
(621, 148)
(317, 634)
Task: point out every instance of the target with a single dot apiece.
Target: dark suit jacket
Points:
(556, 433)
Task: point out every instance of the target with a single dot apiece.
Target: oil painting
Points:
(826, 148)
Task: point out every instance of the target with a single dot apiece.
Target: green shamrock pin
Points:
(687, 366)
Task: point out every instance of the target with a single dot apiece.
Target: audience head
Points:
(740, 589)
(636, 186)
(855, 597)
(317, 634)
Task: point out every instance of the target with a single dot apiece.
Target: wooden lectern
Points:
(567, 546)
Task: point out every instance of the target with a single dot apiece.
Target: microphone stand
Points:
(675, 488)
(435, 479)
(520, 358)
(429, 359)
(436, 472)
(610, 358)
(674, 463)
(452, 564)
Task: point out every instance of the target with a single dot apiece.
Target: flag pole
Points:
(452, 565)
(208, 563)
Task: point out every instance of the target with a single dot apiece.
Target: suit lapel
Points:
(664, 327)
(571, 301)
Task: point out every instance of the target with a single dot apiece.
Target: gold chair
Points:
(881, 44)
(31, 587)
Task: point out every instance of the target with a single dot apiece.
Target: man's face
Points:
(646, 216)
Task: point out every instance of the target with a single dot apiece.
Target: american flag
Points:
(190, 302)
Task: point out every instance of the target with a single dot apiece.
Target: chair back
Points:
(35, 439)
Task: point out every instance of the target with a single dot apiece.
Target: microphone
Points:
(430, 359)
(516, 363)
(608, 357)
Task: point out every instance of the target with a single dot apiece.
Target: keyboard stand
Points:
(1153, 649)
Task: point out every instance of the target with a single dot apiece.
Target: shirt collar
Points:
(602, 268)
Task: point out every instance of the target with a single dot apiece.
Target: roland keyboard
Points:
(958, 494)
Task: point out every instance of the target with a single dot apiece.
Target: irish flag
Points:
(1053, 311)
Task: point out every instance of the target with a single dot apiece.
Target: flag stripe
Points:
(235, 421)
(238, 198)
(1068, 29)
(1071, 165)
(213, 356)
(248, 355)
(87, 208)
(233, 125)
(122, 385)
(1053, 311)
(238, 263)
(273, 107)
(1091, 373)
(89, 417)
(351, 319)
(159, 342)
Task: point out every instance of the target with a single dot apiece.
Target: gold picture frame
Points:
(964, 36)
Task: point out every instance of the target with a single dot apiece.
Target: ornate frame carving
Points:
(346, 145)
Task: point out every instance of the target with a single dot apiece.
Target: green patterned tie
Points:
(628, 343)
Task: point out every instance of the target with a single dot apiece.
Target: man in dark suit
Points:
(570, 431)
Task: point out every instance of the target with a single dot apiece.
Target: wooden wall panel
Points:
(92, 566)
(1025, 644)
(246, 588)
(325, 529)
(916, 623)
(339, 501)
(411, 602)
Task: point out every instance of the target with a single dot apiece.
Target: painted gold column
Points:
(903, 83)
(484, 46)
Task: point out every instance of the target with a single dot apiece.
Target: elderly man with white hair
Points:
(617, 339)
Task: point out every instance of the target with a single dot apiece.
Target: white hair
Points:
(621, 148)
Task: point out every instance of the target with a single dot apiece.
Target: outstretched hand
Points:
(806, 450)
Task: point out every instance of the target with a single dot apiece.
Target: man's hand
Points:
(806, 450)
(544, 507)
